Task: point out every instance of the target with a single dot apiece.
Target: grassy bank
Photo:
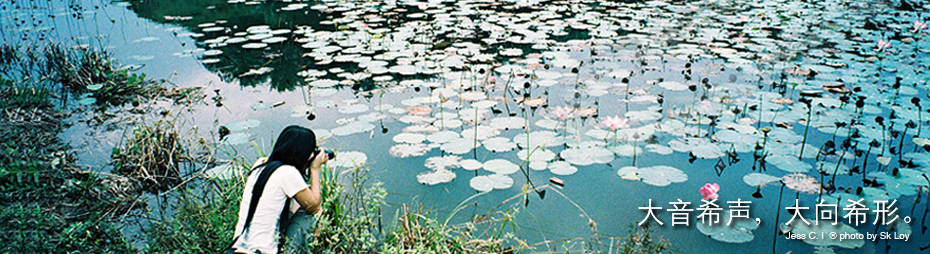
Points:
(48, 204)
(352, 222)
(51, 205)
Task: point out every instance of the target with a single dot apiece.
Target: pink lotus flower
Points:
(562, 112)
(709, 191)
(616, 122)
(882, 44)
(919, 25)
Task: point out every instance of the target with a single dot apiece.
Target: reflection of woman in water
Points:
(293, 158)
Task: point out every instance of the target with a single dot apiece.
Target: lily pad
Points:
(348, 159)
(739, 230)
(436, 177)
(443, 136)
(491, 182)
(789, 163)
(501, 166)
(587, 156)
(408, 150)
(460, 146)
(410, 138)
(655, 175)
(242, 125)
(470, 164)
(759, 179)
(562, 168)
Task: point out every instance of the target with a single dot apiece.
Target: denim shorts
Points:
(299, 232)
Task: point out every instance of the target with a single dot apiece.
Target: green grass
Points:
(47, 211)
(204, 220)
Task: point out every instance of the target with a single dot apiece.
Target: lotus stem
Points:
(777, 215)
(864, 162)
(901, 143)
(807, 125)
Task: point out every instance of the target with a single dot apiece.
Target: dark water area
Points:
(444, 99)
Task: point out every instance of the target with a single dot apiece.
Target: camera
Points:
(330, 154)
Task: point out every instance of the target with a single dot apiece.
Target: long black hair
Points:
(294, 147)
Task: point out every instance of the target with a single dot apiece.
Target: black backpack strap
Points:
(257, 190)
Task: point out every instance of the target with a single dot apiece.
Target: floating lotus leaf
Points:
(470, 164)
(658, 149)
(635, 134)
(739, 230)
(94, 87)
(499, 144)
(237, 138)
(481, 183)
(507, 123)
(436, 177)
(673, 86)
(460, 146)
(759, 179)
(626, 150)
(788, 163)
(643, 116)
(538, 138)
(421, 128)
(323, 83)
(473, 96)
(353, 108)
(442, 162)
(242, 125)
(408, 150)
(471, 116)
(443, 136)
(587, 156)
(826, 229)
(501, 166)
(349, 159)
(259, 106)
(902, 182)
(549, 124)
(411, 138)
(254, 45)
(501, 181)
(707, 151)
(491, 182)
(655, 175)
(562, 168)
(539, 165)
(352, 128)
(671, 126)
(484, 104)
(582, 143)
(447, 123)
(481, 132)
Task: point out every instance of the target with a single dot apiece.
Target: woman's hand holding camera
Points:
(318, 160)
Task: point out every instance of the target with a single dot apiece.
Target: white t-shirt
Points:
(262, 234)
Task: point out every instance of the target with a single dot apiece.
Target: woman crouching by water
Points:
(277, 186)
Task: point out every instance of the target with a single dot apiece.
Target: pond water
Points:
(626, 102)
